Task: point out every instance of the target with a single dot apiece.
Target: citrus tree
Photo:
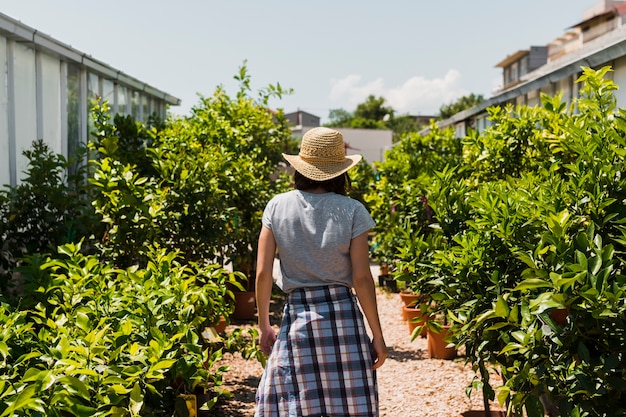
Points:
(531, 224)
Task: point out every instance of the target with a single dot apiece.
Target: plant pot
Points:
(408, 299)
(245, 305)
(415, 317)
(220, 326)
(391, 284)
(381, 280)
(437, 346)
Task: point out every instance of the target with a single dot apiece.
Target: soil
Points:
(409, 382)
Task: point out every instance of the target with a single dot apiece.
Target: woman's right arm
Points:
(363, 284)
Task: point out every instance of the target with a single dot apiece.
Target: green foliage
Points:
(235, 147)
(361, 178)
(463, 103)
(125, 138)
(404, 124)
(339, 118)
(397, 200)
(97, 340)
(210, 178)
(530, 221)
(373, 114)
(51, 206)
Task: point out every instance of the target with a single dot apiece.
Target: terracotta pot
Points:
(220, 326)
(245, 305)
(409, 299)
(414, 318)
(437, 346)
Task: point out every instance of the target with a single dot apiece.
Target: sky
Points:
(416, 54)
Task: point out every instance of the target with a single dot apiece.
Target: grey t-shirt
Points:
(313, 234)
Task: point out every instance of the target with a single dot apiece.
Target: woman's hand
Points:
(380, 352)
(268, 337)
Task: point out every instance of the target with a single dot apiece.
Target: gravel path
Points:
(409, 382)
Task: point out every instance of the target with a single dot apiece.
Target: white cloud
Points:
(417, 95)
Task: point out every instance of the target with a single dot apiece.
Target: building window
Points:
(523, 66)
(514, 71)
(122, 100)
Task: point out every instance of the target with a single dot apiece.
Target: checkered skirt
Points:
(321, 363)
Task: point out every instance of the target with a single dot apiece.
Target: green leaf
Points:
(136, 400)
(153, 372)
(503, 395)
(46, 379)
(485, 316)
(76, 385)
(118, 389)
(531, 284)
(502, 308)
(516, 347)
(23, 399)
(497, 326)
(83, 322)
(4, 350)
(583, 352)
(81, 410)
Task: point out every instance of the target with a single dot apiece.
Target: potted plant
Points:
(438, 332)
(416, 316)
(243, 293)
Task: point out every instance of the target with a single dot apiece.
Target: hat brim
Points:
(322, 171)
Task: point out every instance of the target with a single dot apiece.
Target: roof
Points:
(512, 58)
(14, 29)
(618, 10)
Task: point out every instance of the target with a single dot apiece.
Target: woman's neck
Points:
(316, 190)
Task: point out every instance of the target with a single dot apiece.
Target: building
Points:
(301, 118)
(598, 40)
(46, 87)
(371, 143)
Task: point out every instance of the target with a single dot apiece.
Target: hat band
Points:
(312, 159)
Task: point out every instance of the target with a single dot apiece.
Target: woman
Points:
(322, 363)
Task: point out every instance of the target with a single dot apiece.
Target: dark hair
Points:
(337, 185)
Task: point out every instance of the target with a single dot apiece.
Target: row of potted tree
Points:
(516, 234)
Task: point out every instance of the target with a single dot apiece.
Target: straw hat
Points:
(322, 155)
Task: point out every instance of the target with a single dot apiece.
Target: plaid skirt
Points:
(321, 363)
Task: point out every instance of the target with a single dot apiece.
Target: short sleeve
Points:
(266, 220)
(362, 221)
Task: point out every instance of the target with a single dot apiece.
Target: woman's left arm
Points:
(264, 282)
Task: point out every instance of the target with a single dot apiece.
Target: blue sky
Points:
(417, 54)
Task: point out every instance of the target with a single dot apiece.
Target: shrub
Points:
(97, 340)
(50, 207)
